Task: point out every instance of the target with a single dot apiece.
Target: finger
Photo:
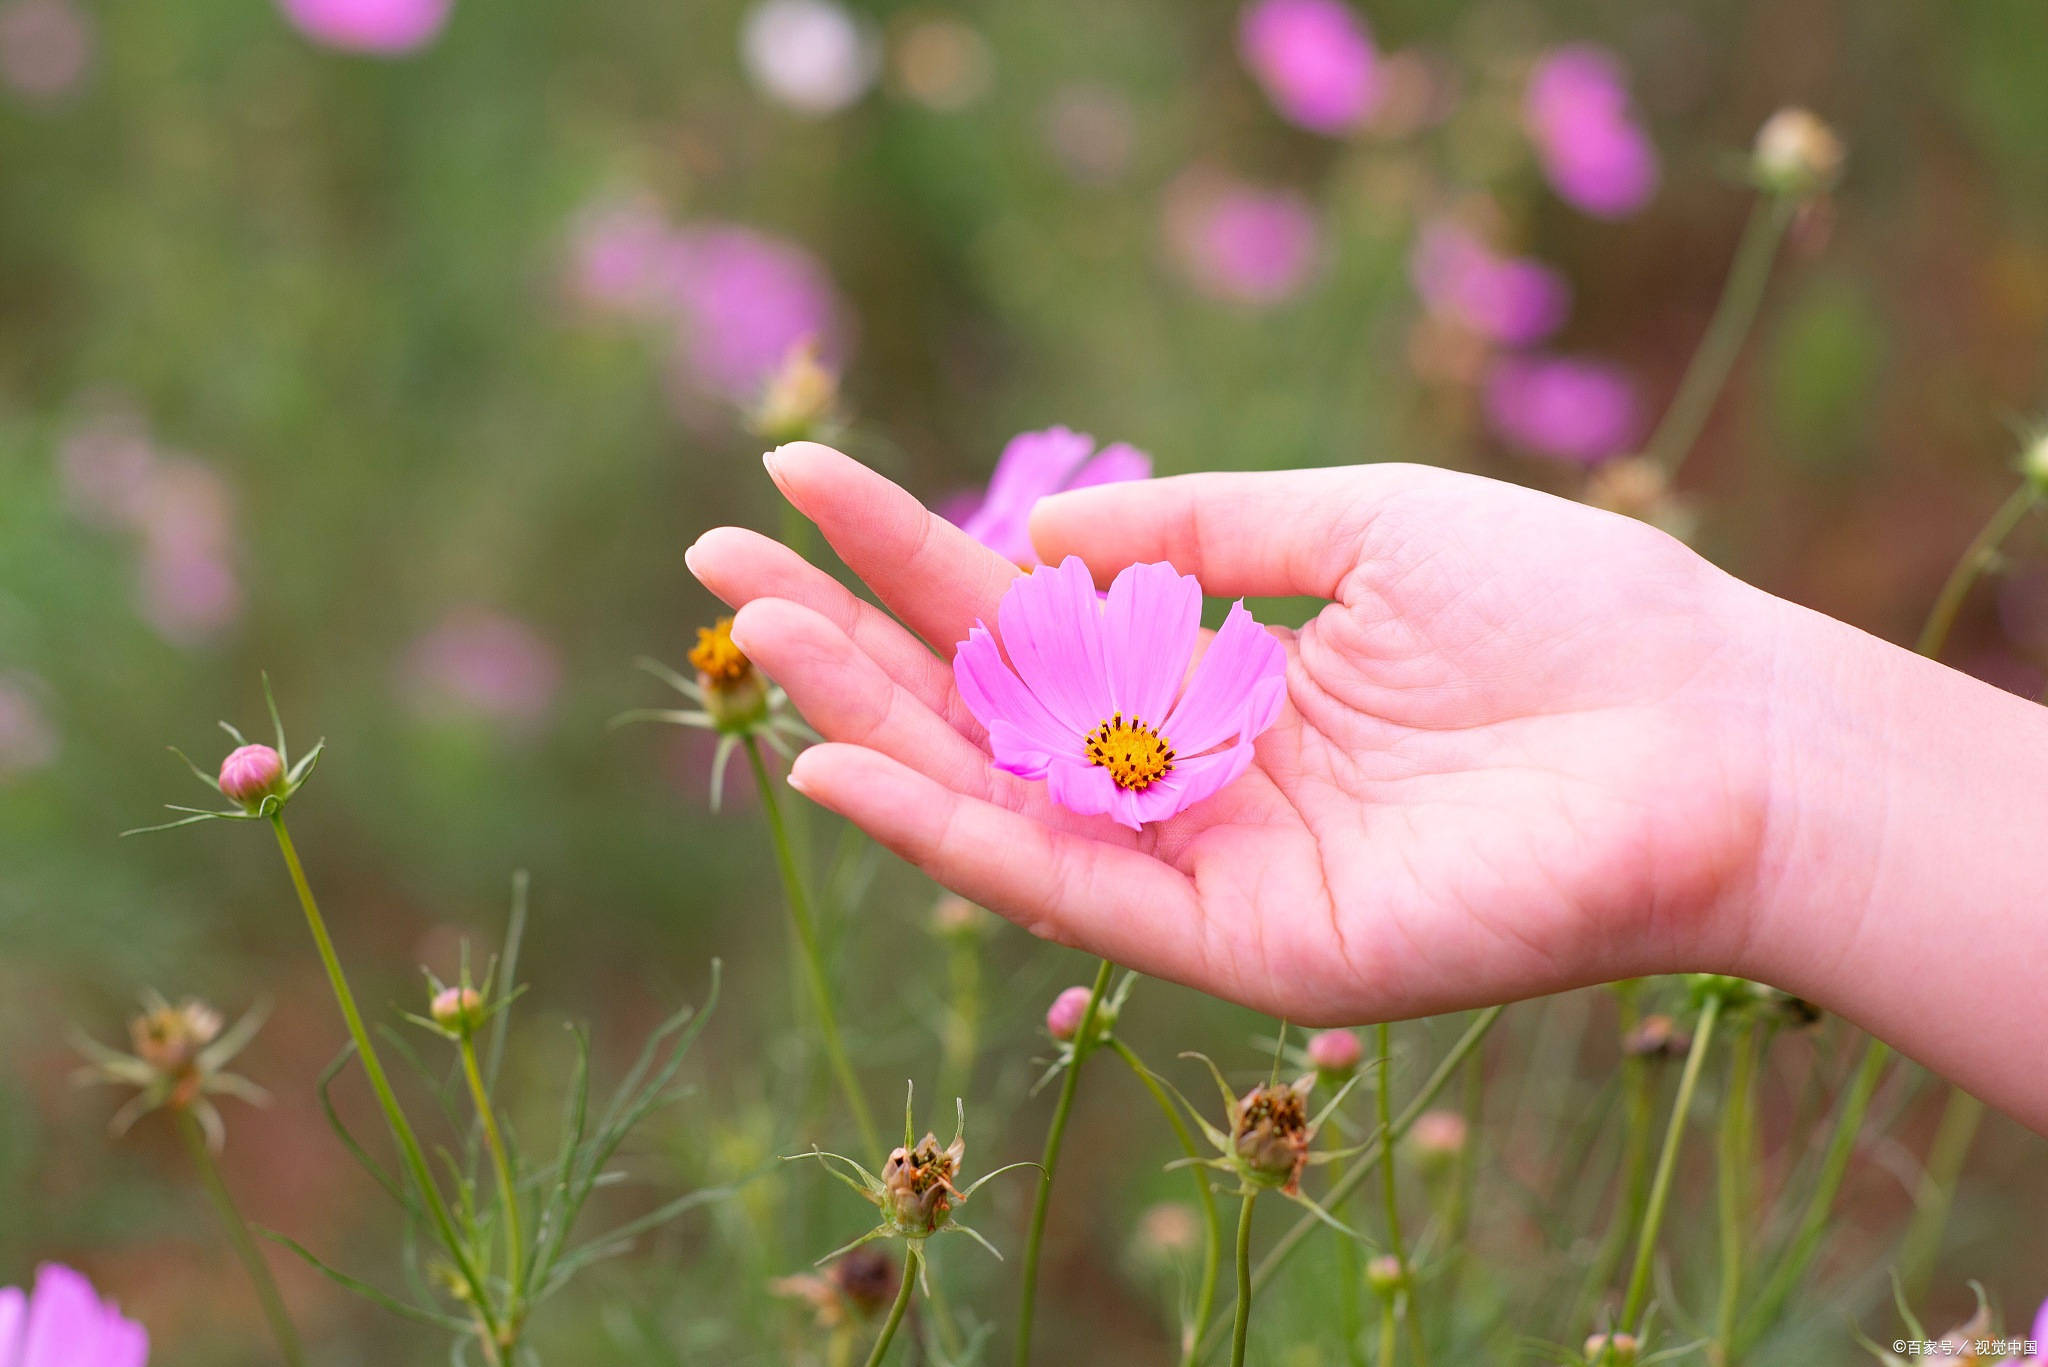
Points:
(847, 697)
(1109, 899)
(741, 566)
(1265, 534)
(928, 572)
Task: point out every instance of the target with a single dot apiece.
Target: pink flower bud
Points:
(1063, 1017)
(1335, 1051)
(250, 774)
(458, 1009)
(1439, 1135)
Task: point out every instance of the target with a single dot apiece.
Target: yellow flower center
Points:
(1135, 755)
(716, 657)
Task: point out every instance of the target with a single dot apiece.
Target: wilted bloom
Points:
(1034, 465)
(180, 1060)
(46, 49)
(1564, 407)
(384, 28)
(801, 400)
(1091, 699)
(1594, 153)
(811, 55)
(1315, 59)
(1335, 1053)
(1063, 1017)
(64, 1323)
(28, 739)
(1270, 1139)
(1240, 243)
(857, 1286)
(745, 299)
(1515, 300)
(250, 774)
(1796, 154)
(483, 663)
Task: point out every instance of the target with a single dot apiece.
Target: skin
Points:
(1528, 746)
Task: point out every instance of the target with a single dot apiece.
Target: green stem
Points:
(244, 1245)
(1048, 1163)
(1284, 1246)
(508, 1190)
(1390, 1192)
(1667, 1165)
(896, 1313)
(1638, 1118)
(1389, 1331)
(1813, 1225)
(1734, 1155)
(1952, 1139)
(1212, 1222)
(1741, 295)
(813, 957)
(1350, 1316)
(1241, 1323)
(1977, 557)
(394, 1115)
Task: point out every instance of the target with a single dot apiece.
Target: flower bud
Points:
(1796, 154)
(1383, 1274)
(1335, 1053)
(1269, 1134)
(1167, 1231)
(458, 1010)
(1063, 1017)
(169, 1038)
(917, 1186)
(1656, 1036)
(953, 916)
(1438, 1137)
(1612, 1350)
(735, 694)
(2034, 463)
(800, 399)
(251, 773)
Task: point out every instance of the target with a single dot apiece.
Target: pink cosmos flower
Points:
(1315, 59)
(1573, 409)
(1239, 242)
(64, 1323)
(621, 258)
(1036, 464)
(485, 664)
(746, 299)
(1514, 300)
(384, 28)
(1092, 700)
(1594, 153)
(2037, 1342)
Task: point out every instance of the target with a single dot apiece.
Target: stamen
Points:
(1135, 755)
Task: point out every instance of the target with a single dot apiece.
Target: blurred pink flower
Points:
(1092, 132)
(1593, 150)
(1063, 1017)
(46, 48)
(1569, 408)
(107, 465)
(28, 739)
(484, 663)
(1315, 59)
(64, 1323)
(745, 299)
(1239, 242)
(1033, 465)
(2037, 1342)
(812, 56)
(622, 257)
(385, 28)
(1516, 300)
(189, 590)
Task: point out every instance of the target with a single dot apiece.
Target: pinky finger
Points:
(1106, 898)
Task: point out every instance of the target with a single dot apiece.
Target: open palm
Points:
(1521, 749)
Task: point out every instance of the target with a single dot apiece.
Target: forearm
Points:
(1903, 876)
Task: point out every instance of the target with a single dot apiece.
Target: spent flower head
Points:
(856, 1287)
(1796, 155)
(259, 779)
(1271, 1134)
(180, 1061)
(733, 699)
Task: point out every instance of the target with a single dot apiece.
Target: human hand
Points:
(1523, 748)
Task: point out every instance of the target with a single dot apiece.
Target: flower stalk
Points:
(1735, 1154)
(1667, 1165)
(1390, 1192)
(245, 1248)
(897, 1311)
(1212, 1221)
(1241, 1321)
(501, 1165)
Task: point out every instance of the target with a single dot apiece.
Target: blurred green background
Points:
(301, 371)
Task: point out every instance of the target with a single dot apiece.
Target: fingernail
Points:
(797, 783)
(771, 460)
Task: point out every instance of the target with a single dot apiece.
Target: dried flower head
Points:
(258, 779)
(180, 1060)
(1271, 1137)
(855, 1287)
(1797, 155)
(732, 699)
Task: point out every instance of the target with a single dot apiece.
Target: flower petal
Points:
(1117, 463)
(63, 1319)
(1231, 694)
(1033, 465)
(1082, 787)
(1191, 781)
(1052, 631)
(996, 696)
(1149, 627)
(13, 1306)
(2041, 1333)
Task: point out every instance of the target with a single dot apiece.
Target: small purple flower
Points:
(1569, 408)
(1315, 59)
(64, 1323)
(1092, 700)
(1240, 243)
(382, 28)
(1032, 466)
(1594, 152)
(746, 298)
(1514, 300)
